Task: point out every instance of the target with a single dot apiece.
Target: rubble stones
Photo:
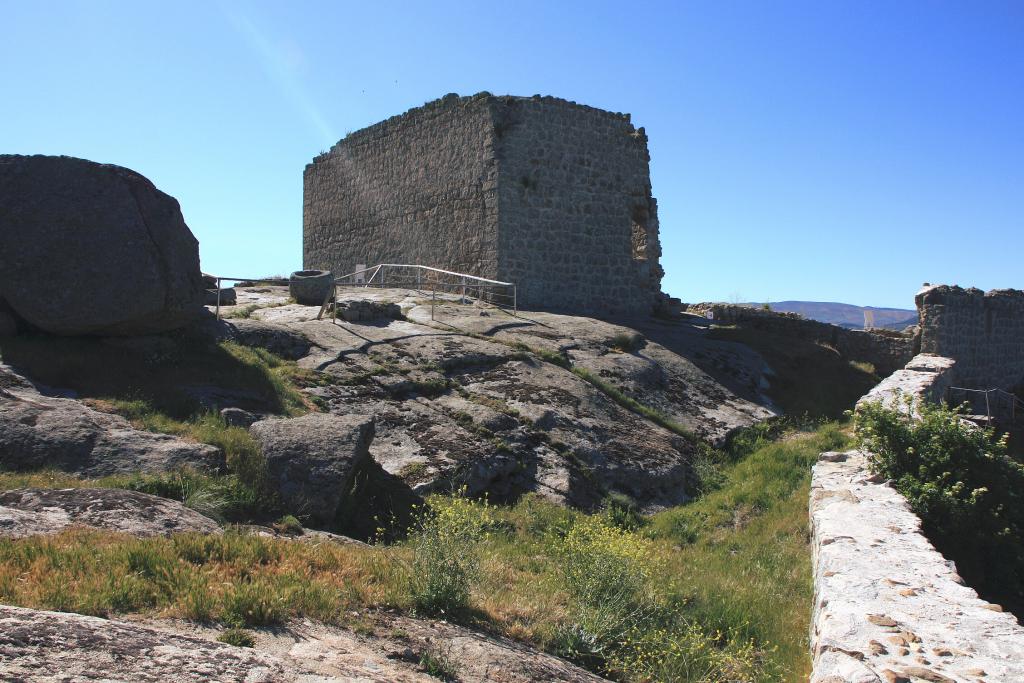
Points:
(364, 310)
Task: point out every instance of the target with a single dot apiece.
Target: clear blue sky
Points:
(833, 151)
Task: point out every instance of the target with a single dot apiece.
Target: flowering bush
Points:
(446, 560)
(960, 480)
(686, 652)
(607, 572)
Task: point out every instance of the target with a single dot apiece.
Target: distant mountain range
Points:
(847, 315)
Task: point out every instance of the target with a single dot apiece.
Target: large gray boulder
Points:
(88, 248)
(38, 431)
(35, 512)
(312, 460)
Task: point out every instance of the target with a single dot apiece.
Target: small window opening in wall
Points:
(639, 232)
(988, 322)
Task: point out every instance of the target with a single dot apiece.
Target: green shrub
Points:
(439, 665)
(626, 343)
(959, 479)
(687, 652)
(238, 637)
(254, 603)
(288, 525)
(606, 572)
(623, 512)
(445, 556)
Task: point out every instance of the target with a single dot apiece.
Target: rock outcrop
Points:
(482, 399)
(38, 431)
(33, 512)
(88, 248)
(311, 460)
(52, 647)
(48, 647)
(278, 339)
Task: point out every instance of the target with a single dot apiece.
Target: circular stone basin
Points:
(310, 287)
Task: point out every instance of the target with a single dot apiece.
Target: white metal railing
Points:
(422, 279)
(996, 400)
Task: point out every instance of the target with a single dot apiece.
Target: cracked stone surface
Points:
(464, 400)
(51, 647)
(39, 431)
(32, 512)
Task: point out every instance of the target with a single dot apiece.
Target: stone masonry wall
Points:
(983, 331)
(418, 188)
(888, 607)
(886, 350)
(549, 194)
(578, 223)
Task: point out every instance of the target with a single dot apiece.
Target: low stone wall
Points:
(924, 378)
(888, 607)
(886, 350)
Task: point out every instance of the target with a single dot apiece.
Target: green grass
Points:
(238, 637)
(227, 498)
(439, 665)
(810, 378)
(626, 343)
(722, 584)
(744, 561)
(167, 379)
(655, 416)
(157, 387)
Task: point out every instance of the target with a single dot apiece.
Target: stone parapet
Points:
(885, 349)
(888, 606)
(924, 378)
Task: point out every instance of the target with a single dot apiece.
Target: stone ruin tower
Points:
(549, 194)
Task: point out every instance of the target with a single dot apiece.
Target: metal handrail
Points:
(430, 268)
(466, 285)
(1014, 401)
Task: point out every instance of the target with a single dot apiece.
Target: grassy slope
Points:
(736, 561)
(748, 564)
(810, 378)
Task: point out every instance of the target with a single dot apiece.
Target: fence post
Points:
(515, 301)
(218, 298)
(433, 294)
